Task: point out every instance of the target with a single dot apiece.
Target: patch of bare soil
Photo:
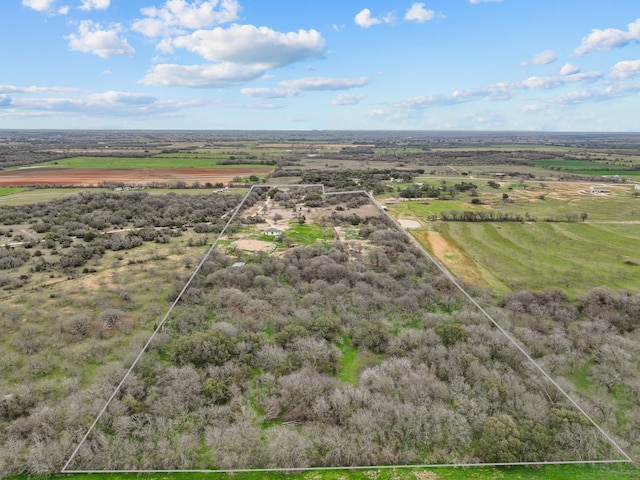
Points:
(254, 245)
(408, 223)
(452, 257)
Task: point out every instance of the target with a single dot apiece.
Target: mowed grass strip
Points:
(547, 472)
(148, 162)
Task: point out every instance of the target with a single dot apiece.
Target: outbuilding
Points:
(273, 232)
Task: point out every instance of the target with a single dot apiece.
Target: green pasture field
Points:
(559, 148)
(149, 162)
(588, 167)
(548, 472)
(574, 256)
(10, 190)
(622, 173)
(577, 165)
(619, 206)
(570, 256)
(37, 195)
(219, 154)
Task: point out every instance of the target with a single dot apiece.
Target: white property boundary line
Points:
(627, 458)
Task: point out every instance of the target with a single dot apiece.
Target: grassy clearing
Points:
(349, 363)
(309, 233)
(550, 472)
(150, 162)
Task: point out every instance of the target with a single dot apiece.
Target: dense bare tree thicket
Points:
(66, 234)
(325, 357)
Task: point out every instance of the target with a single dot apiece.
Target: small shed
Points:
(273, 231)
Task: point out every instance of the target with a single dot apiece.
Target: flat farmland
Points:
(58, 176)
(570, 256)
(508, 256)
(159, 161)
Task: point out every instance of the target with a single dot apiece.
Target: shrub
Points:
(204, 348)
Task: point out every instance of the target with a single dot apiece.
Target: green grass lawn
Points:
(548, 472)
(308, 233)
(149, 162)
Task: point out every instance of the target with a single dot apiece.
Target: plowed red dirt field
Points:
(134, 176)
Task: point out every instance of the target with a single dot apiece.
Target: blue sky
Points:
(556, 65)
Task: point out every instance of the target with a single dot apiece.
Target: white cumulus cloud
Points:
(365, 20)
(247, 44)
(344, 99)
(201, 76)
(418, 13)
(483, 1)
(323, 83)
(93, 38)
(625, 69)
(568, 69)
(496, 92)
(177, 15)
(291, 88)
(123, 98)
(94, 4)
(110, 103)
(268, 92)
(39, 5)
(542, 58)
(609, 38)
(34, 89)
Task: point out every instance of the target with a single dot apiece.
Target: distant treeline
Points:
(246, 161)
(497, 216)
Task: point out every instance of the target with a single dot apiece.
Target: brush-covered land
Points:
(335, 342)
